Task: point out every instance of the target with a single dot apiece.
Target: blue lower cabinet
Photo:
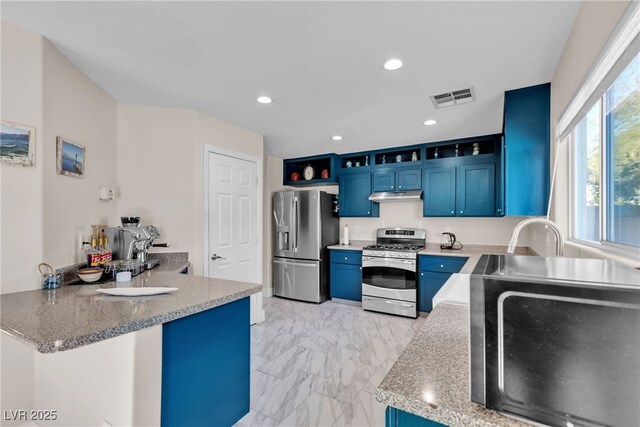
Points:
(475, 190)
(439, 191)
(205, 367)
(345, 275)
(346, 281)
(433, 273)
(429, 283)
(397, 418)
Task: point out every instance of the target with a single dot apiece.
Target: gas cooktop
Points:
(400, 247)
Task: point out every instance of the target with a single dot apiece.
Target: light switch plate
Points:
(107, 193)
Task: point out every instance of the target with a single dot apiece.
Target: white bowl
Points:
(90, 275)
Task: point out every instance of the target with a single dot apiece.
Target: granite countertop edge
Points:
(128, 327)
(454, 407)
(433, 413)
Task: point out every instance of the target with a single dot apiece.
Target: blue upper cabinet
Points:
(526, 150)
(409, 179)
(397, 179)
(355, 189)
(439, 189)
(384, 180)
(475, 190)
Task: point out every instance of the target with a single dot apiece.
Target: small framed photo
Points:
(17, 144)
(70, 158)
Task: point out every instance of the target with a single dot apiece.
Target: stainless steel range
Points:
(389, 271)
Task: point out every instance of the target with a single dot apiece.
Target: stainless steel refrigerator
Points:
(304, 225)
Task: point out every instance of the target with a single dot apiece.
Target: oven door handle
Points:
(402, 264)
(402, 304)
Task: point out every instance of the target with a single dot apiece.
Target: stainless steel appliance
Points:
(304, 225)
(556, 340)
(389, 271)
(131, 241)
(448, 241)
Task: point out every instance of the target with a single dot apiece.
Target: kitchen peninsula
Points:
(180, 358)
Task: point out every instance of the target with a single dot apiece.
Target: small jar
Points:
(51, 281)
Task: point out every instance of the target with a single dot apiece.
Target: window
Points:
(606, 149)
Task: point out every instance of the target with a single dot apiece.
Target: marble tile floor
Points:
(320, 364)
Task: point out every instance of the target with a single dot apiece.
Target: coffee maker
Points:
(131, 241)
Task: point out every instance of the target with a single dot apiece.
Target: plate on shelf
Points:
(136, 292)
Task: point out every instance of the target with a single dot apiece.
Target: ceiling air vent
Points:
(455, 97)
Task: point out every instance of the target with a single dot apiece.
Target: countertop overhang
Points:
(77, 315)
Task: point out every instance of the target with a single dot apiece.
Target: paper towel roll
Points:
(345, 239)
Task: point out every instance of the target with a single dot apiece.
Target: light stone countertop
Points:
(473, 252)
(76, 315)
(431, 377)
(354, 245)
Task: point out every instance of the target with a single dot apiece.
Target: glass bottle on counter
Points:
(93, 253)
(107, 253)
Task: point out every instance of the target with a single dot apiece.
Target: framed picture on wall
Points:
(70, 158)
(17, 144)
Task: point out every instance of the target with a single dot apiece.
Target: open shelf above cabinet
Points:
(461, 149)
(322, 170)
(402, 156)
(356, 160)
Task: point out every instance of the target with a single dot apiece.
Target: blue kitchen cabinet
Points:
(398, 418)
(355, 189)
(434, 271)
(429, 284)
(345, 275)
(475, 190)
(384, 180)
(439, 187)
(397, 179)
(526, 150)
(409, 179)
(205, 367)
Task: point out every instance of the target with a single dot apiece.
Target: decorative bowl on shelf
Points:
(90, 275)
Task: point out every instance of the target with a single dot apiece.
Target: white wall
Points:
(155, 170)
(41, 212)
(78, 109)
(594, 24)
(160, 170)
(21, 195)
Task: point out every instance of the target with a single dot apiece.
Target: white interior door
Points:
(234, 251)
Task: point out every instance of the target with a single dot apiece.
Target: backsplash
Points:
(480, 231)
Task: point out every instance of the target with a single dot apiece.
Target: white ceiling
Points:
(319, 61)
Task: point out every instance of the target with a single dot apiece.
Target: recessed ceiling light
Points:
(430, 122)
(336, 138)
(392, 64)
(264, 100)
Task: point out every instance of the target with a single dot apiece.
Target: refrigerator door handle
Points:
(296, 227)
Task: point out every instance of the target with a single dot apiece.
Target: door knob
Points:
(215, 257)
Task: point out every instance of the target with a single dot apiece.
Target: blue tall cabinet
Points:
(527, 150)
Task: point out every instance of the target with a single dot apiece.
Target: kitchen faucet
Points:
(554, 227)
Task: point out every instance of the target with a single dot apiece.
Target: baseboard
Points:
(346, 301)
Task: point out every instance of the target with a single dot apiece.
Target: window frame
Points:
(605, 145)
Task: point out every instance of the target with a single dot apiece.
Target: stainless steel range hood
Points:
(396, 196)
